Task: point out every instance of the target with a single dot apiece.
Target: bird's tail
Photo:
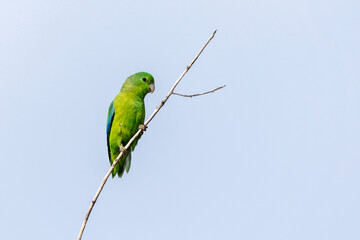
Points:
(123, 164)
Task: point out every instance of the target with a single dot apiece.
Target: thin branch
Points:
(137, 135)
(198, 94)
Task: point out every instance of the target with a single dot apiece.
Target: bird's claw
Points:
(123, 150)
(143, 127)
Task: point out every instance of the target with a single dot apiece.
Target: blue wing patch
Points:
(110, 118)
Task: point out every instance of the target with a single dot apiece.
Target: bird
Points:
(125, 116)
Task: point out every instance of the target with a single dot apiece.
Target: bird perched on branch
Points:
(126, 115)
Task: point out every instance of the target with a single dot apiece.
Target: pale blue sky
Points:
(274, 155)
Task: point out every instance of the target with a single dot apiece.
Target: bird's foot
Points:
(123, 150)
(143, 127)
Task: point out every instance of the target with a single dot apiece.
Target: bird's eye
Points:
(144, 79)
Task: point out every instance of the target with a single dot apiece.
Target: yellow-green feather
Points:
(126, 113)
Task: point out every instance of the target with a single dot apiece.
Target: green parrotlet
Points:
(126, 114)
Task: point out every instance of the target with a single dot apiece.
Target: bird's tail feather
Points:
(122, 165)
(128, 162)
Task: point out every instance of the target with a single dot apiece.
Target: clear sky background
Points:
(274, 155)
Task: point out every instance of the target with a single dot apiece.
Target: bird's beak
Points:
(152, 87)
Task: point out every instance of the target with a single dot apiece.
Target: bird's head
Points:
(139, 83)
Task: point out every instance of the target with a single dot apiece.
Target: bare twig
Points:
(198, 94)
(137, 135)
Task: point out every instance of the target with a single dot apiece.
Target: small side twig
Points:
(137, 135)
(198, 94)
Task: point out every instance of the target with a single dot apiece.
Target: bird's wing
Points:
(110, 118)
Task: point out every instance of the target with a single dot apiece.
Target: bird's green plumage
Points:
(125, 114)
